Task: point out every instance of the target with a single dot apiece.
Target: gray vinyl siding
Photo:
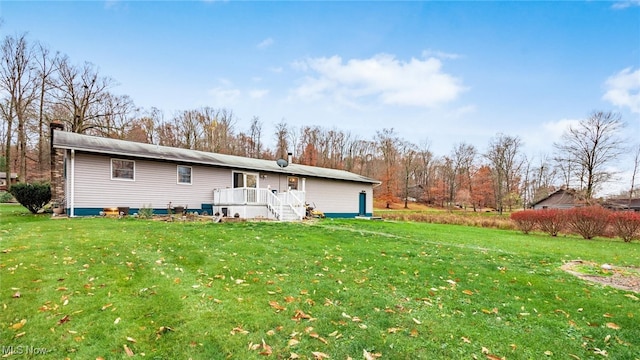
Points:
(332, 196)
(155, 184)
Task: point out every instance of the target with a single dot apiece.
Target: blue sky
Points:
(444, 71)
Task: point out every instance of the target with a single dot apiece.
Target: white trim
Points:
(72, 197)
(122, 179)
(244, 178)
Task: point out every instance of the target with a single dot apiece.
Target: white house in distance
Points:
(93, 173)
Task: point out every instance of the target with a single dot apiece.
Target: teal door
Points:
(363, 204)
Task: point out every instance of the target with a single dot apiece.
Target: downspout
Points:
(72, 185)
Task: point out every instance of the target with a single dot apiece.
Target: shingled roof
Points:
(100, 145)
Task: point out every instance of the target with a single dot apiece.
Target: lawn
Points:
(91, 288)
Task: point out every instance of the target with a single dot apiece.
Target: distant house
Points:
(623, 204)
(559, 199)
(92, 173)
(4, 182)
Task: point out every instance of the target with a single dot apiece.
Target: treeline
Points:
(38, 86)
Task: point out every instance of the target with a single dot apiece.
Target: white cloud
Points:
(420, 83)
(258, 93)
(541, 139)
(623, 89)
(265, 43)
(440, 54)
(224, 96)
(625, 4)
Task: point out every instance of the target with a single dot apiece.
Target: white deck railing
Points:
(254, 196)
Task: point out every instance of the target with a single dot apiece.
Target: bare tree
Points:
(46, 70)
(506, 162)
(590, 147)
(408, 154)
(424, 169)
(282, 139)
(464, 157)
(636, 165)
(79, 90)
(255, 132)
(388, 143)
(18, 83)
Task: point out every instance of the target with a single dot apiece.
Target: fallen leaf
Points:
(276, 306)
(466, 340)
(16, 295)
(130, 339)
(614, 326)
(370, 356)
(19, 325)
(413, 332)
(393, 330)
(493, 357)
(104, 307)
(299, 314)
(317, 355)
(116, 321)
(607, 315)
(127, 350)
(266, 349)
(468, 292)
(63, 320)
(316, 336)
(548, 353)
(162, 330)
(239, 330)
(294, 356)
(417, 321)
(293, 342)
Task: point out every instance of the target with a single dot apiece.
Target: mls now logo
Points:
(23, 350)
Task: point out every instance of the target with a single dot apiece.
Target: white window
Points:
(247, 180)
(293, 182)
(184, 175)
(123, 169)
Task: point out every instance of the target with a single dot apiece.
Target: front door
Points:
(249, 183)
(363, 204)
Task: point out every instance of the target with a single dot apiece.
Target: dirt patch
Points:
(625, 278)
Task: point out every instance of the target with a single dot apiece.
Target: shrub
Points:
(588, 221)
(145, 212)
(32, 196)
(5, 197)
(551, 221)
(525, 220)
(626, 224)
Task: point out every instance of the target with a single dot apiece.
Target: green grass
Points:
(89, 286)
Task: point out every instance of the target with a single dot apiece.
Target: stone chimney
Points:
(57, 165)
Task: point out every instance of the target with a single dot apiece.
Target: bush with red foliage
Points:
(551, 221)
(588, 221)
(525, 220)
(626, 224)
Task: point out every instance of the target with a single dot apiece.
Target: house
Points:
(92, 173)
(559, 199)
(623, 204)
(4, 182)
